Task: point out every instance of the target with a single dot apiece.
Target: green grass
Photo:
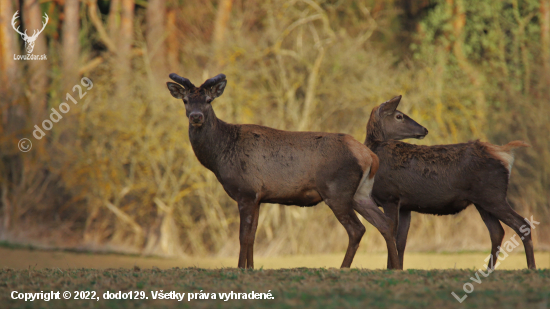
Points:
(13, 245)
(26, 246)
(291, 288)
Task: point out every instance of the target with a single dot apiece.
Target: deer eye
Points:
(184, 101)
(399, 117)
(208, 100)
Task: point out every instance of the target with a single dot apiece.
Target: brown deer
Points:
(257, 164)
(440, 180)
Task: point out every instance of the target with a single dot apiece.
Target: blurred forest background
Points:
(118, 172)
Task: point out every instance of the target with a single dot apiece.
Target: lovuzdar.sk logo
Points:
(29, 40)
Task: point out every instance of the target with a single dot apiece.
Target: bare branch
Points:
(96, 21)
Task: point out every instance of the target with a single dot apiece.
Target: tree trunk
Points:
(113, 21)
(172, 42)
(70, 62)
(8, 46)
(475, 76)
(156, 38)
(125, 38)
(71, 46)
(37, 69)
(222, 18)
(12, 114)
(545, 33)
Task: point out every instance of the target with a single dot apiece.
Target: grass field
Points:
(296, 288)
(20, 258)
(32, 271)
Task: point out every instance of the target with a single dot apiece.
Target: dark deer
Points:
(257, 164)
(440, 180)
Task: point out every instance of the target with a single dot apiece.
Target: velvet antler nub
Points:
(182, 81)
(212, 81)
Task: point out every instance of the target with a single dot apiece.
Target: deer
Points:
(29, 40)
(440, 179)
(257, 164)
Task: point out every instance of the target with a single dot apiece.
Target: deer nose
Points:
(425, 131)
(196, 117)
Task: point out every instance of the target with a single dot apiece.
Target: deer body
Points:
(257, 164)
(282, 167)
(440, 180)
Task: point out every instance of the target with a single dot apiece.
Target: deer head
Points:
(197, 99)
(387, 123)
(29, 40)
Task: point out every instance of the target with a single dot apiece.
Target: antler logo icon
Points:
(29, 40)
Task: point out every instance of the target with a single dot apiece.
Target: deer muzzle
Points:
(421, 136)
(196, 119)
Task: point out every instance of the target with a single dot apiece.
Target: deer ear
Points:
(217, 89)
(176, 90)
(389, 107)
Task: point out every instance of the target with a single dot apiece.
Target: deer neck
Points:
(375, 135)
(211, 140)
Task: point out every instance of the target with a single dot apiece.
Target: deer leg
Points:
(246, 212)
(495, 231)
(504, 212)
(370, 211)
(402, 232)
(392, 213)
(353, 226)
(251, 238)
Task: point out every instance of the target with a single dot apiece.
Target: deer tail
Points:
(505, 153)
(514, 144)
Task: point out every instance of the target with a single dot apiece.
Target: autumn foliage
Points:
(118, 172)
